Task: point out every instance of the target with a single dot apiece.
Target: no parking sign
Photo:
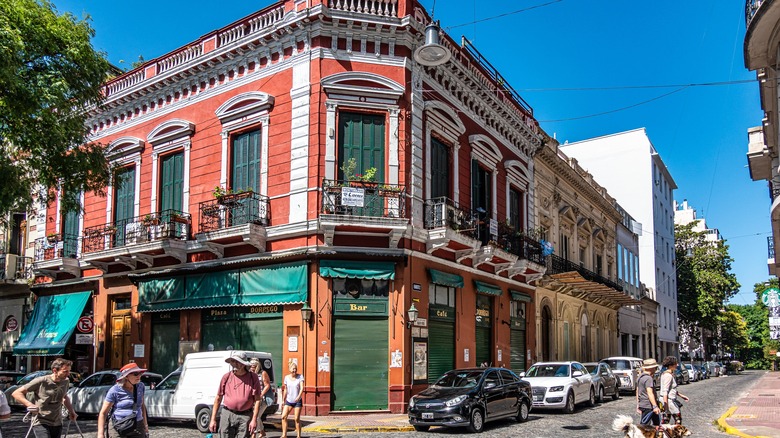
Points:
(85, 324)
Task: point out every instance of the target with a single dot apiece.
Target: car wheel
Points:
(601, 394)
(421, 428)
(616, 394)
(569, 408)
(477, 422)
(592, 398)
(522, 411)
(203, 418)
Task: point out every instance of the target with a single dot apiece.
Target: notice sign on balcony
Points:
(352, 196)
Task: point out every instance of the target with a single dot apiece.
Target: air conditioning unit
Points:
(11, 261)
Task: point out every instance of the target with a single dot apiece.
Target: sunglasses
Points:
(136, 374)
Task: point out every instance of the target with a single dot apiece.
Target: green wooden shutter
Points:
(265, 335)
(70, 233)
(172, 182)
(517, 350)
(440, 169)
(441, 348)
(360, 364)
(362, 137)
(124, 202)
(515, 219)
(246, 162)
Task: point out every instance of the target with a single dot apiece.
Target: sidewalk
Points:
(380, 422)
(756, 414)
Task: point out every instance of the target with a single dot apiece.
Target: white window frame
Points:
(169, 136)
(121, 153)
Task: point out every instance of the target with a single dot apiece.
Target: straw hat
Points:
(649, 363)
(238, 357)
(130, 369)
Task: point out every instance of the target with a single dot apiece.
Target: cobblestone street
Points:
(709, 400)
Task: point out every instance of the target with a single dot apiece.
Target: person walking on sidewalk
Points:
(5, 411)
(239, 393)
(124, 403)
(668, 392)
(50, 394)
(292, 392)
(646, 401)
(254, 366)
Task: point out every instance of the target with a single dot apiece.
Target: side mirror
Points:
(576, 374)
(522, 374)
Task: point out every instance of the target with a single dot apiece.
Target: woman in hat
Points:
(124, 402)
(646, 401)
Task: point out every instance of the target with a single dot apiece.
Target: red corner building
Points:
(299, 182)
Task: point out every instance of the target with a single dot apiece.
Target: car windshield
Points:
(459, 379)
(593, 369)
(618, 364)
(549, 370)
(28, 378)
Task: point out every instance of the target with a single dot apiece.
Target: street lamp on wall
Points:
(411, 316)
(306, 313)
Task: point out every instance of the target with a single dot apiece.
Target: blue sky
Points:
(699, 131)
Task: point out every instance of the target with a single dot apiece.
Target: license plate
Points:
(537, 398)
(427, 415)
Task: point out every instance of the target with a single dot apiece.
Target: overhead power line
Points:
(495, 17)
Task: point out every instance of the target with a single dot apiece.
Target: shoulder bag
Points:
(127, 424)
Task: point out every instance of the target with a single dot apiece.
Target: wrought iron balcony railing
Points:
(770, 245)
(167, 224)
(232, 210)
(361, 198)
(751, 7)
(520, 244)
(56, 246)
(559, 265)
(15, 267)
(442, 212)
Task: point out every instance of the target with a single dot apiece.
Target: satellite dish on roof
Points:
(432, 53)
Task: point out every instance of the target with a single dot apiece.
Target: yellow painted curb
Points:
(355, 429)
(729, 429)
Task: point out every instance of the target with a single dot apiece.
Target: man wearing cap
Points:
(646, 401)
(50, 394)
(239, 394)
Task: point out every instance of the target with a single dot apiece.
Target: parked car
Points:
(604, 380)
(679, 375)
(560, 385)
(9, 378)
(469, 398)
(716, 369)
(188, 394)
(703, 373)
(74, 378)
(693, 375)
(627, 369)
(87, 397)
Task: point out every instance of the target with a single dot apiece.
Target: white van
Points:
(627, 369)
(188, 393)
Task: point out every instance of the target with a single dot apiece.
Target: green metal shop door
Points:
(441, 348)
(165, 345)
(219, 335)
(483, 346)
(265, 335)
(517, 350)
(360, 364)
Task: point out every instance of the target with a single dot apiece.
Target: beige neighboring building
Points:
(578, 298)
(651, 347)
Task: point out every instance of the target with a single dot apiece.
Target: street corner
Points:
(731, 430)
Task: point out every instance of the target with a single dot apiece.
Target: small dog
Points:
(625, 424)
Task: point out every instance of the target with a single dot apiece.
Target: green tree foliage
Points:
(49, 76)
(756, 353)
(733, 332)
(704, 280)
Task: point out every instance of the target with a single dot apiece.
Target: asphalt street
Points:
(708, 401)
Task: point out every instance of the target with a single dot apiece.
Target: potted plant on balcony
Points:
(180, 218)
(390, 190)
(230, 197)
(109, 230)
(52, 237)
(150, 220)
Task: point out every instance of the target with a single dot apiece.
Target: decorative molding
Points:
(170, 130)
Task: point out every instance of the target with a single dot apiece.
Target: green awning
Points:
(51, 325)
(520, 296)
(445, 278)
(352, 269)
(280, 284)
(276, 284)
(487, 289)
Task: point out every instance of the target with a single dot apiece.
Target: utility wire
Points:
(495, 17)
(616, 109)
(631, 87)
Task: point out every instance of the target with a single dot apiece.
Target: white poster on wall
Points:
(465, 354)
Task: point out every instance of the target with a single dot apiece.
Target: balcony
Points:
(572, 279)
(15, 269)
(761, 17)
(560, 265)
(57, 254)
(353, 210)
(145, 239)
(233, 220)
(770, 244)
(452, 231)
(751, 7)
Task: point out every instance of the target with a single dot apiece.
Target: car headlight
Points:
(455, 401)
(556, 389)
(411, 402)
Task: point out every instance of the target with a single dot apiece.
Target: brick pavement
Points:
(374, 422)
(757, 412)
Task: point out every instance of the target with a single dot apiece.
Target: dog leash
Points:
(32, 419)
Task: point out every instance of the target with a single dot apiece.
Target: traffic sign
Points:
(85, 324)
(771, 297)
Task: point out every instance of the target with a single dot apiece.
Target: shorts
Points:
(298, 404)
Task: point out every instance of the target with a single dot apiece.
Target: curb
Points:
(353, 429)
(732, 430)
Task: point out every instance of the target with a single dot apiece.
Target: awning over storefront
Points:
(445, 278)
(269, 285)
(520, 296)
(353, 269)
(487, 289)
(52, 323)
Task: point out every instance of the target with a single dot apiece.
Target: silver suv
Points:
(627, 369)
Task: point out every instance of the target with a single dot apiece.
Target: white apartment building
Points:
(685, 214)
(630, 168)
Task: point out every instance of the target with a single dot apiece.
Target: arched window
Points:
(546, 333)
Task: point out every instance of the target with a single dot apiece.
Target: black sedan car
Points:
(469, 398)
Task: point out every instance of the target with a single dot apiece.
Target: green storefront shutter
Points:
(172, 186)
(517, 350)
(220, 335)
(165, 344)
(483, 345)
(360, 364)
(441, 348)
(265, 335)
